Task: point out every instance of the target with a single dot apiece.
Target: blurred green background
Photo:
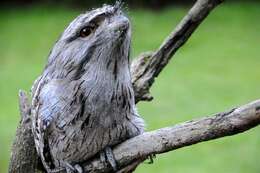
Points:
(217, 69)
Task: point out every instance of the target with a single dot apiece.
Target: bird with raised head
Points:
(83, 102)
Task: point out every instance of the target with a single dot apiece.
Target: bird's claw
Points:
(107, 156)
(73, 169)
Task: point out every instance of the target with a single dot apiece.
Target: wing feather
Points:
(52, 104)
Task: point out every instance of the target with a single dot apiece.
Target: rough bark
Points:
(144, 70)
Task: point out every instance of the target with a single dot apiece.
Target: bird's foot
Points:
(73, 169)
(107, 156)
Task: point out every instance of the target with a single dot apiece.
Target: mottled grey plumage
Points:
(84, 100)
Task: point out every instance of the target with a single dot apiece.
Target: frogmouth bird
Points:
(83, 102)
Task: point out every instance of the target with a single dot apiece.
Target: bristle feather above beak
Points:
(118, 5)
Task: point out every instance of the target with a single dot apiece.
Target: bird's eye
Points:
(86, 31)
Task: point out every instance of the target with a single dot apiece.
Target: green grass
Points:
(217, 69)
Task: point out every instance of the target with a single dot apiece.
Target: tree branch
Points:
(228, 123)
(23, 157)
(148, 66)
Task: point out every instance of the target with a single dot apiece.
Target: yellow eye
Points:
(86, 31)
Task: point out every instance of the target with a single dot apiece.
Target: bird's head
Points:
(97, 40)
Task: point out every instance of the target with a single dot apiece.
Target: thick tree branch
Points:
(228, 123)
(147, 66)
